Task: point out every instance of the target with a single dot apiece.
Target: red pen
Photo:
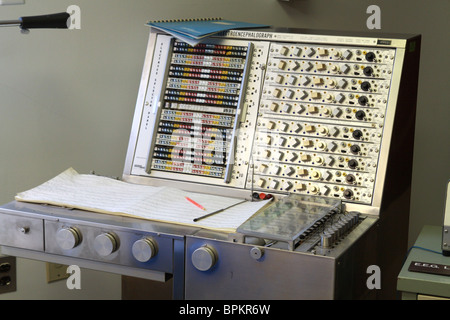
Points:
(195, 203)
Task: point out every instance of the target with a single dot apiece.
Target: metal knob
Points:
(325, 240)
(204, 258)
(144, 249)
(105, 244)
(68, 238)
(24, 230)
(256, 253)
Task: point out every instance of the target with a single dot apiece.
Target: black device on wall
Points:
(47, 21)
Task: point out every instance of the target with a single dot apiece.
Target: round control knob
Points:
(144, 249)
(105, 244)
(355, 149)
(256, 253)
(365, 86)
(363, 100)
(370, 56)
(325, 240)
(368, 71)
(352, 164)
(350, 178)
(24, 230)
(357, 134)
(204, 258)
(360, 115)
(68, 238)
(348, 194)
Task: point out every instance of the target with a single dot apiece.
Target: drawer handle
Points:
(24, 230)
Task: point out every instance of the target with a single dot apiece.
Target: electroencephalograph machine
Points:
(321, 122)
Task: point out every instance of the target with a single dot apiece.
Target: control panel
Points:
(272, 113)
(200, 110)
(321, 120)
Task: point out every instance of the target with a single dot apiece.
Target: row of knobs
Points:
(323, 52)
(106, 244)
(338, 229)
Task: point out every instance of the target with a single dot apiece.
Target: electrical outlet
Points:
(7, 2)
(56, 272)
(8, 278)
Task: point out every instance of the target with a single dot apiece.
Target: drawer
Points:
(21, 232)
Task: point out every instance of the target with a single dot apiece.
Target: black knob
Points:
(352, 164)
(360, 115)
(357, 134)
(370, 56)
(368, 71)
(350, 178)
(348, 194)
(363, 100)
(355, 149)
(365, 86)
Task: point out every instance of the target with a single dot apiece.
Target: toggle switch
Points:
(274, 106)
(261, 183)
(292, 80)
(284, 51)
(283, 126)
(286, 108)
(276, 93)
(282, 65)
(294, 65)
(322, 52)
(308, 66)
(287, 185)
(316, 95)
(310, 52)
(289, 171)
(263, 168)
(281, 141)
(274, 184)
(297, 51)
(279, 79)
(321, 67)
(275, 170)
(304, 81)
(289, 94)
(295, 143)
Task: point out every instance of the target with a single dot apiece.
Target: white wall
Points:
(67, 97)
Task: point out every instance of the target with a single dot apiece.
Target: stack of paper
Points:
(193, 31)
(110, 196)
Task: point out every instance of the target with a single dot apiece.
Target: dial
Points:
(365, 86)
(256, 253)
(370, 56)
(105, 244)
(204, 258)
(68, 238)
(144, 249)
